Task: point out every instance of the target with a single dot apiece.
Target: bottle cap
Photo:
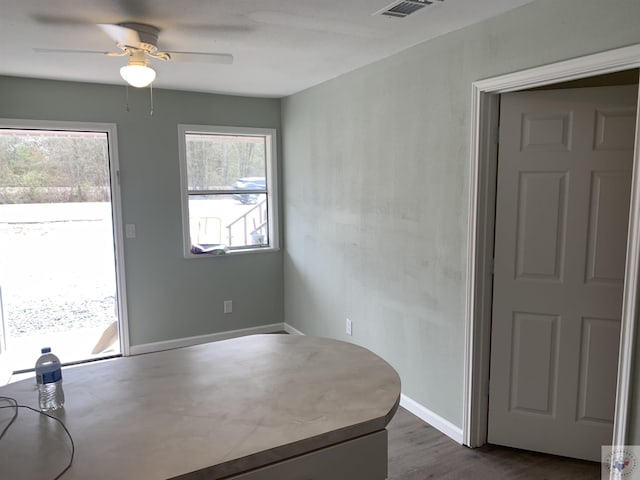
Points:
(46, 350)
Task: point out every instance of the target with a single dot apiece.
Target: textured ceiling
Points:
(279, 46)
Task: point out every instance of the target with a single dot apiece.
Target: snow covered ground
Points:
(57, 271)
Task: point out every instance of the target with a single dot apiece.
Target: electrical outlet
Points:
(349, 327)
(228, 306)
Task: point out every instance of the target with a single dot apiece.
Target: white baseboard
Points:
(212, 337)
(436, 421)
(292, 330)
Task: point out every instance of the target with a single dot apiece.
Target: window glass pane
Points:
(216, 161)
(57, 252)
(45, 166)
(227, 222)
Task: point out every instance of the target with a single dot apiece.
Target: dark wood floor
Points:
(418, 451)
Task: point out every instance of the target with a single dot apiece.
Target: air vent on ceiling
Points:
(402, 8)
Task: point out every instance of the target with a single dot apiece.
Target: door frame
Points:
(5, 371)
(482, 196)
(116, 203)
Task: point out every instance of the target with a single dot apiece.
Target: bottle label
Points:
(52, 377)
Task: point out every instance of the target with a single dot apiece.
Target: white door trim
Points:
(5, 371)
(480, 235)
(116, 203)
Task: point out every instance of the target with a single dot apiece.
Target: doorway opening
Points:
(60, 264)
(481, 224)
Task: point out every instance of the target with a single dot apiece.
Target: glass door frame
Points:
(110, 129)
(5, 371)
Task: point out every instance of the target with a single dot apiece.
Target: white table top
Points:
(206, 411)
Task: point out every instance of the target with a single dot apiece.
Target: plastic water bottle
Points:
(49, 380)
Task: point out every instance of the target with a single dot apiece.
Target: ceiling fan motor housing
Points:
(148, 36)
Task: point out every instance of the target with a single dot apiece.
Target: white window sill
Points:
(231, 253)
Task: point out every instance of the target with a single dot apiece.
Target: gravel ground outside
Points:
(56, 267)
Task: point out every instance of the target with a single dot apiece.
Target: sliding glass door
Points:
(59, 265)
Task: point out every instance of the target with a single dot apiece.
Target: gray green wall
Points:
(169, 297)
(376, 187)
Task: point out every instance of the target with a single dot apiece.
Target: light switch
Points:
(130, 230)
(228, 306)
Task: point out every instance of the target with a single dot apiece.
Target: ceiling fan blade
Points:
(120, 34)
(136, 8)
(67, 50)
(212, 28)
(201, 57)
(59, 20)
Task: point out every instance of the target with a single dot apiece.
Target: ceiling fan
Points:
(139, 41)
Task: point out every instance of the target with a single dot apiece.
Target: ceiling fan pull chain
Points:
(151, 99)
(126, 101)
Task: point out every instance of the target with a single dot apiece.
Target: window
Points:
(228, 178)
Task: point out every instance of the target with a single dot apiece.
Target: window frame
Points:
(271, 172)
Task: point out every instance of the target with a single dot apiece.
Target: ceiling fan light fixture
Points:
(137, 74)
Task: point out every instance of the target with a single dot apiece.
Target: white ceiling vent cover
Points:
(403, 8)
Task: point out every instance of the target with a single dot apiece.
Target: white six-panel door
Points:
(564, 180)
